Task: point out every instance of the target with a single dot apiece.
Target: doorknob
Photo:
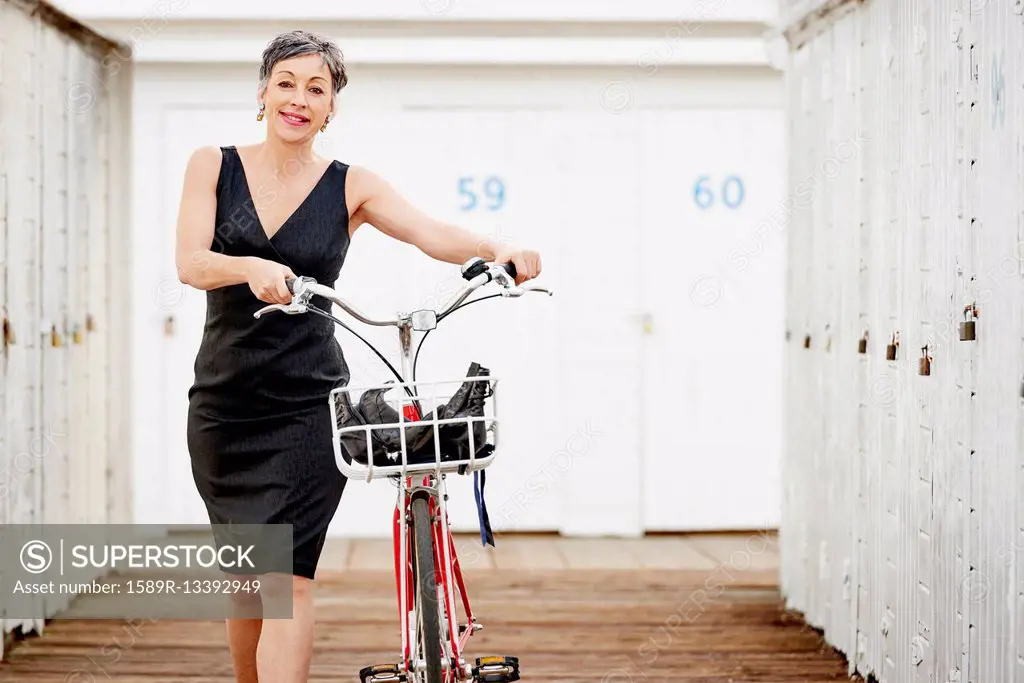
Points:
(169, 326)
(645, 319)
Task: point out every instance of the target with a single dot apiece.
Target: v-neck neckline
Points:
(255, 210)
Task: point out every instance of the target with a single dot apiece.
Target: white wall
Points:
(626, 106)
(599, 194)
(64, 299)
(903, 524)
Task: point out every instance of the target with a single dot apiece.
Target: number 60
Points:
(733, 192)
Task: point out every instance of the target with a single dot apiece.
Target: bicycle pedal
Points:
(496, 669)
(381, 673)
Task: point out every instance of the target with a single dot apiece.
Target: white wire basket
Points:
(377, 433)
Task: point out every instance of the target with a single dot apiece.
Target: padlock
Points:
(90, 323)
(76, 335)
(169, 325)
(9, 338)
(967, 327)
(924, 365)
(862, 344)
(890, 350)
(807, 341)
(55, 340)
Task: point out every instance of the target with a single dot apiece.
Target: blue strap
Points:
(479, 481)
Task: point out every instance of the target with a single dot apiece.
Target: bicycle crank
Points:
(381, 673)
(496, 669)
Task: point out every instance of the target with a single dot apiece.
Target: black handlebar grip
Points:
(510, 268)
(289, 282)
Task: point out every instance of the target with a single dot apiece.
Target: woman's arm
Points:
(376, 202)
(199, 266)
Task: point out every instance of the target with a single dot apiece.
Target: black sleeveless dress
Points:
(259, 426)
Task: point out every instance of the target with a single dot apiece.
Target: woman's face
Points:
(298, 97)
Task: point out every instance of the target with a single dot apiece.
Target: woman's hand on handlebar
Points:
(526, 261)
(267, 281)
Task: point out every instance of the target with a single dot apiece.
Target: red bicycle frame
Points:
(448, 577)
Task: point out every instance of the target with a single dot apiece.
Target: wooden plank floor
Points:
(695, 608)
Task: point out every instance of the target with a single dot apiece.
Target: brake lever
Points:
(294, 308)
(520, 291)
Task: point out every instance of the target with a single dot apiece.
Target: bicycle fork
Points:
(448, 579)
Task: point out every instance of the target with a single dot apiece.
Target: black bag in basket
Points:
(386, 443)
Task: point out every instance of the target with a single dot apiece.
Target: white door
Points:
(473, 169)
(182, 309)
(714, 292)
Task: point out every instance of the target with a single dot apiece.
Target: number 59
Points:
(493, 188)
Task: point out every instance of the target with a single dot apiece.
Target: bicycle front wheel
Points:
(429, 625)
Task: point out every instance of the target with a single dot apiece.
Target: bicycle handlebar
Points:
(476, 271)
(299, 286)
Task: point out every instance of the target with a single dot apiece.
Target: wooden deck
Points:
(694, 608)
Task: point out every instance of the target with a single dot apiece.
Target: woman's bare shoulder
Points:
(204, 163)
(206, 157)
(362, 183)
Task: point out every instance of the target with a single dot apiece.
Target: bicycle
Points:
(427, 571)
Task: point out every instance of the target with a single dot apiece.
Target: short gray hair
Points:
(298, 43)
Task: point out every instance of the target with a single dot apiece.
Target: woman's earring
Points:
(259, 117)
(323, 128)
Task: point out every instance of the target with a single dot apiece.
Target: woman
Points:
(259, 430)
